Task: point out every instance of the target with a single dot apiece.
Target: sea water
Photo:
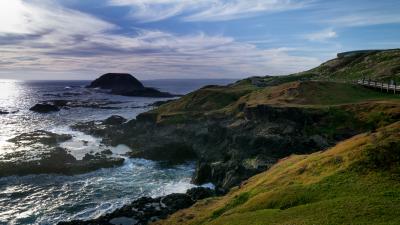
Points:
(50, 198)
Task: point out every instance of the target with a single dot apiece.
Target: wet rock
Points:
(4, 112)
(58, 161)
(114, 120)
(106, 152)
(41, 154)
(40, 137)
(173, 153)
(175, 202)
(142, 211)
(199, 193)
(94, 104)
(44, 108)
(123, 221)
(60, 102)
(125, 84)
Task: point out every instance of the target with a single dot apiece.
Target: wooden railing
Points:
(389, 87)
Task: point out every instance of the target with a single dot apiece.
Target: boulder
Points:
(44, 108)
(125, 84)
(144, 210)
(199, 193)
(114, 120)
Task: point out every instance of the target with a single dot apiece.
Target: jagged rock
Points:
(199, 193)
(44, 108)
(41, 137)
(114, 120)
(107, 152)
(125, 84)
(145, 210)
(57, 160)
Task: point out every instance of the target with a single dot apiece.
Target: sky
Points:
(163, 39)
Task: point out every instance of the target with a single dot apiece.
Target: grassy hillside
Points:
(231, 100)
(377, 65)
(355, 182)
(312, 93)
(327, 84)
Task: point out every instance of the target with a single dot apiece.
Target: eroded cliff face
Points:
(230, 149)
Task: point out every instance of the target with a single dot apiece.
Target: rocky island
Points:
(127, 85)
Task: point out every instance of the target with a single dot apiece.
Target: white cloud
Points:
(323, 35)
(366, 19)
(31, 17)
(205, 10)
(227, 10)
(53, 39)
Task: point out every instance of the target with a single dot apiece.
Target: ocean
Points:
(50, 198)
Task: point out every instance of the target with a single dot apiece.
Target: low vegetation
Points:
(355, 182)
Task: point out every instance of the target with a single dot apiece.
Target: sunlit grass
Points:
(346, 184)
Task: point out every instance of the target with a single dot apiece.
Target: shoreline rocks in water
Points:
(57, 161)
(41, 154)
(126, 85)
(146, 209)
(44, 108)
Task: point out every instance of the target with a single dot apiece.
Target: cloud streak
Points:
(205, 10)
(323, 35)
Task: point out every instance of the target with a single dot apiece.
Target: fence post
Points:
(387, 89)
(382, 86)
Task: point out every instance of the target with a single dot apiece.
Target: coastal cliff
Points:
(237, 131)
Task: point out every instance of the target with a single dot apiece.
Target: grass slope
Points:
(355, 182)
(230, 100)
(313, 93)
(377, 65)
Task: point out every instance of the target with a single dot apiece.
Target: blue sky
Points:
(81, 39)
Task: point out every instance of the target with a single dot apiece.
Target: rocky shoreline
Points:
(227, 150)
(146, 209)
(46, 156)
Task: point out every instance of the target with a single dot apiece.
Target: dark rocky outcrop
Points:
(44, 108)
(145, 210)
(43, 154)
(57, 160)
(40, 137)
(94, 104)
(127, 85)
(114, 120)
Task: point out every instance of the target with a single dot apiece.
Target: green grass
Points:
(382, 66)
(314, 93)
(355, 182)
(238, 200)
